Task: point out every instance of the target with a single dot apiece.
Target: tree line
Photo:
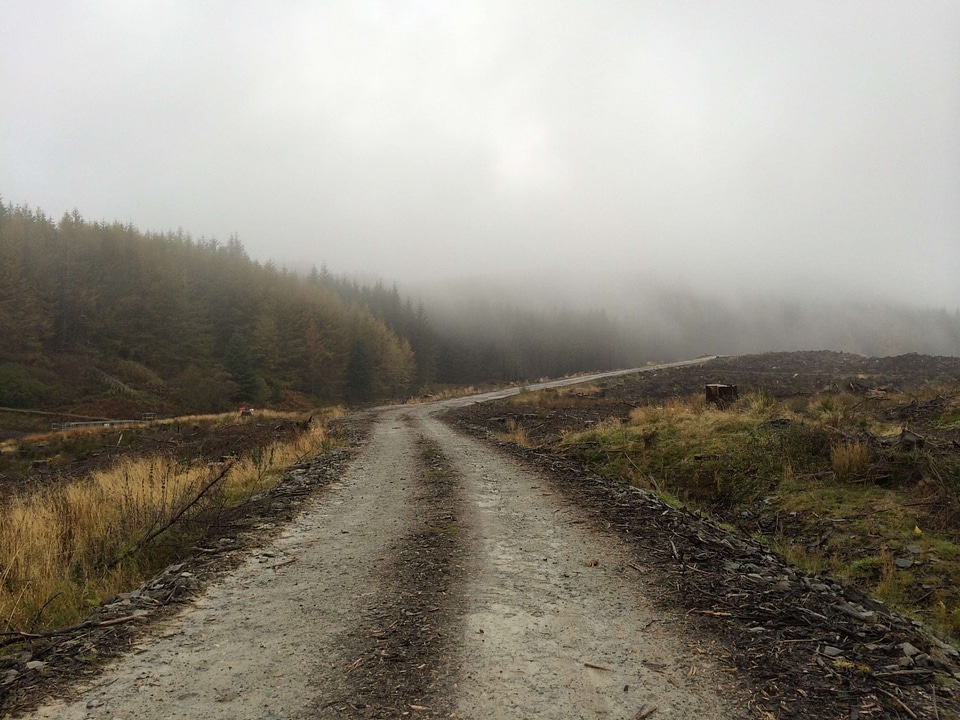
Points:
(94, 310)
(88, 308)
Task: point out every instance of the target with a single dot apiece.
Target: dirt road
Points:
(436, 579)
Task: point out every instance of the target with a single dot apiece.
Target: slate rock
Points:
(909, 650)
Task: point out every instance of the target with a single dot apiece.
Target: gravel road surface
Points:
(437, 578)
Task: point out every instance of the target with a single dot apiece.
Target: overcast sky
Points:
(813, 145)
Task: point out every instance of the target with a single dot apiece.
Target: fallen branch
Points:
(176, 516)
(36, 618)
(596, 667)
(17, 636)
(909, 712)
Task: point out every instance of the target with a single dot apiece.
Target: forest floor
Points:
(418, 572)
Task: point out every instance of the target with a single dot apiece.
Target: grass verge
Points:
(67, 546)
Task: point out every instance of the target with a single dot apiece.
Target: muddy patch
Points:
(400, 652)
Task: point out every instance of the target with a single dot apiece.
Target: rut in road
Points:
(437, 579)
(408, 629)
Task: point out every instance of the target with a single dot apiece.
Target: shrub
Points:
(19, 388)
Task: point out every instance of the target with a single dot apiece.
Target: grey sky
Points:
(809, 145)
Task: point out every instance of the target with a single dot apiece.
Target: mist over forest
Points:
(105, 319)
(647, 318)
(348, 201)
(727, 175)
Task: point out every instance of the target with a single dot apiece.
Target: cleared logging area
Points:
(116, 515)
(865, 489)
(834, 480)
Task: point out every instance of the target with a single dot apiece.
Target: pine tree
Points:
(360, 373)
(239, 362)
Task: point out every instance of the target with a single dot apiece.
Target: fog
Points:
(581, 151)
(649, 318)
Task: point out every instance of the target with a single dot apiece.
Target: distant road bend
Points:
(437, 578)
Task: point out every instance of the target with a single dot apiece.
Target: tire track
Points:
(557, 622)
(402, 647)
(436, 579)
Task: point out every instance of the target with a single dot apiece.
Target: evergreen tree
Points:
(360, 373)
(239, 362)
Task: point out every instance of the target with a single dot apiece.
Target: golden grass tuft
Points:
(516, 434)
(849, 458)
(895, 584)
(757, 404)
(672, 410)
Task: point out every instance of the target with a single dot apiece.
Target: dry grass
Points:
(65, 548)
(673, 410)
(553, 398)
(832, 410)
(62, 435)
(516, 434)
(213, 421)
(849, 458)
(793, 471)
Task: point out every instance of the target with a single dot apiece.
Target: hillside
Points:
(104, 320)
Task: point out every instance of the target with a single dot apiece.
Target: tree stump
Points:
(721, 395)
